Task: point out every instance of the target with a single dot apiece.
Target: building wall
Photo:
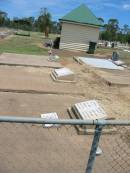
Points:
(77, 37)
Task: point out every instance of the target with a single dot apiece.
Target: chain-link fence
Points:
(115, 157)
(32, 148)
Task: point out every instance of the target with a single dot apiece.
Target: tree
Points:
(113, 27)
(3, 17)
(110, 30)
(126, 29)
(55, 27)
(128, 39)
(44, 22)
(101, 20)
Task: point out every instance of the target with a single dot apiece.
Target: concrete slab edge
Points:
(85, 131)
(57, 80)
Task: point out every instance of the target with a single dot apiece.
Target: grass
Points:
(24, 45)
(33, 45)
(105, 50)
(125, 56)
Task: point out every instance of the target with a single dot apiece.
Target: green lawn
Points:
(125, 56)
(34, 45)
(24, 44)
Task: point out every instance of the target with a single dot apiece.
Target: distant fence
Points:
(115, 148)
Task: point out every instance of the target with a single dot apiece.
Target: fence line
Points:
(32, 120)
(97, 134)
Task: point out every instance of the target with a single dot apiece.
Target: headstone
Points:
(50, 116)
(64, 74)
(90, 110)
(115, 56)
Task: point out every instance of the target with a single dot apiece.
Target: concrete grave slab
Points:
(90, 110)
(63, 72)
(63, 75)
(27, 60)
(98, 63)
(85, 130)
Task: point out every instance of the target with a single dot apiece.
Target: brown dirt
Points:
(70, 54)
(27, 60)
(31, 149)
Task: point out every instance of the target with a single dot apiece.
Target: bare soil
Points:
(32, 148)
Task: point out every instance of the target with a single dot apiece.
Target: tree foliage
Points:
(112, 32)
(44, 21)
(3, 17)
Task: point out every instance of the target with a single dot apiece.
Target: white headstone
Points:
(63, 72)
(90, 110)
(50, 116)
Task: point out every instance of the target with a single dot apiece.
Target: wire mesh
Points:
(32, 148)
(28, 149)
(115, 157)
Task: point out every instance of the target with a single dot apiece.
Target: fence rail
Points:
(100, 124)
(32, 120)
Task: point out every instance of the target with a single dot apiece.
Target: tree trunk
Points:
(47, 32)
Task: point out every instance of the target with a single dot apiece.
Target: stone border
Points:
(57, 80)
(90, 131)
(77, 60)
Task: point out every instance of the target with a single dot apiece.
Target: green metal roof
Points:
(82, 15)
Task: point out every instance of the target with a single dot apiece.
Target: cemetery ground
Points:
(30, 91)
(34, 45)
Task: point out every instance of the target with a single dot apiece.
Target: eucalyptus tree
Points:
(44, 21)
(3, 17)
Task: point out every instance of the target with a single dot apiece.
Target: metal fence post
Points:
(96, 138)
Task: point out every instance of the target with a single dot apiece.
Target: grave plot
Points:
(88, 110)
(115, 78)
(98, 63)
(26, 138)
(35, 105)
(63, 75)
(27, 60)
(20, 79)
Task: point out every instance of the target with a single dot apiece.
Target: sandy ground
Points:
(33, 105)
(27, 60)
(33, 80)
(31, 148)
(115, 77)
(115, 99)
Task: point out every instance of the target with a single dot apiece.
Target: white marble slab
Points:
(90, 110)
(50, 116)
(125, 50)
(63, 72)
(100, 63)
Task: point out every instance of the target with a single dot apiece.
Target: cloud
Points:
(107, 4)
(126, 6)
(59, 8)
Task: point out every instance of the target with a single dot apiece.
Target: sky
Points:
(119, 9)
